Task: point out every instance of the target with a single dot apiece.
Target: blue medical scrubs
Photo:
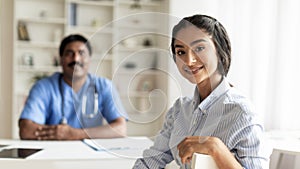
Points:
(44, 103)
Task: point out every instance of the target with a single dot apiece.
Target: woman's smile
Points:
(193, 70)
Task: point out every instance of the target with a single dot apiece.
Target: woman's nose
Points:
(191, 58)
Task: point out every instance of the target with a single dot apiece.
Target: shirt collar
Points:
(85, 86)
(220, 90)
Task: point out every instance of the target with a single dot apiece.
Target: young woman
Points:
(218, 120)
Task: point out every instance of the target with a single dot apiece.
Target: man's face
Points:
(75, 60)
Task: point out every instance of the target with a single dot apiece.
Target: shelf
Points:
(23, 93)
(123, 48)
(152, 28)
(31, 44)
(90, 29)
(138, 94)
(143, 117)
(96, 59)
(142, 3)
(58, 1)
(93, 2)
(107, 24)
(39, 69)
(46, 20)
(130, 72)
(99, 56)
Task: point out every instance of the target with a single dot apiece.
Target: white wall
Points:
(6, 68)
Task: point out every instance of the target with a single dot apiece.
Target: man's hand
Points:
(30, 130)
(57, 132)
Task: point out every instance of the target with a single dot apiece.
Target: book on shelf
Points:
(73, 14)
(23, 32)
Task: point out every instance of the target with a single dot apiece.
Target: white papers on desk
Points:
(202, 161)
(129, 147)
(57, 150)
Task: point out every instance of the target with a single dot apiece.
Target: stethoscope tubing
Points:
(84, 102)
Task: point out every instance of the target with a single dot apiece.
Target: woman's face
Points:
(195, 53)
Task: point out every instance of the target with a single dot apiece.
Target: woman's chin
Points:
(192, 80)
(196, 80)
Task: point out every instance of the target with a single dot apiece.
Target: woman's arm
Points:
(116, 128)
(158, 155)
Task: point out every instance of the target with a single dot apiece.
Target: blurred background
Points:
(264, 35)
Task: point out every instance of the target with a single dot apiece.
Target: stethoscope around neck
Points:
(83, 103)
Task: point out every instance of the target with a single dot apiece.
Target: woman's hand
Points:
(207, 145)
(199, 144)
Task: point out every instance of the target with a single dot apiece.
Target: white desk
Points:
(66, 155)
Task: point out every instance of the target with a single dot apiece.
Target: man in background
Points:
(72, 105)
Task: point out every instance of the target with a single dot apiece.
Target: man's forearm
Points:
(27, 129)
(115, 129)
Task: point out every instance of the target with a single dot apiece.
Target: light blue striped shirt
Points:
(225, 114)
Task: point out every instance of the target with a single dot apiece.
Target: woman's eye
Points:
(198, 49)
(179, 53)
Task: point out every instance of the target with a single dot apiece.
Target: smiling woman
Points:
(218, 121)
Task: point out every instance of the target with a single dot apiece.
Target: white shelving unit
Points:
(127, 48)
(45, 25)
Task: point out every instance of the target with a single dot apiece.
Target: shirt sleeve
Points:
(35, 107)
(251, 149)
(158, 155)
(111, 102)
